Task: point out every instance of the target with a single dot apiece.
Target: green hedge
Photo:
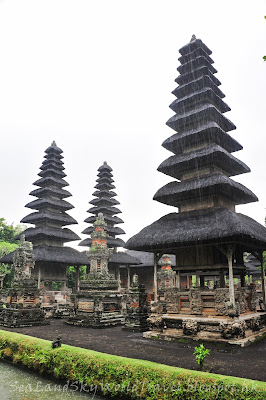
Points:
(120, 377)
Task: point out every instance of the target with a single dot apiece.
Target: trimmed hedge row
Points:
(120, 377)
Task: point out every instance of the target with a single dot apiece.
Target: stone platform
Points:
(240, 331)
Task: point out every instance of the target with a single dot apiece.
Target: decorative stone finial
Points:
(104, 163)
(193, 38)
(53, 144)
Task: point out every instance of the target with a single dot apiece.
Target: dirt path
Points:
(248, 362)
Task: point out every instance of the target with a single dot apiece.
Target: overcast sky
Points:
(97, 77)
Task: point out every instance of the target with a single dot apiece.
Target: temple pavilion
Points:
(207, 235)
(49, 234)
(104, 202)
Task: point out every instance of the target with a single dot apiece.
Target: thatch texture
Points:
(64, 235)
(194, 45)
(147, 259)
(203, 96)
(204, 113)
(203, 71)
(47, 216)
(50, 180)
(111, 230)
(199, 52)
(218, 225)
(104, 201)
(52, 172)
(46, 202)
(196, 85)
(212, 155)
(53, 255)
(110, 220)
(51, 191)
(123, 258)
(194, 64)
(208, 133)
(215, 184)
(104, 210)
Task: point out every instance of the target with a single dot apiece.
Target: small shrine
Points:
(207, 236)
(98, 301)
(21, 303)
(136, 307)
(104, 202)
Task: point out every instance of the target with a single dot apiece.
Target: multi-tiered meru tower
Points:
(105, 203)
(207, 236)
(49, 235)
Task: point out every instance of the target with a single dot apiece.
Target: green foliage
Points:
(6, 248)
(200, 354)
(71, 275)
(9, 232)
(123, 378)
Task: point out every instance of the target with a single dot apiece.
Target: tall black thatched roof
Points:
(147, 259)
(205, 194)
(201, 145)
(105, 203)
(48, 236)
(218, 225)
(53, 255)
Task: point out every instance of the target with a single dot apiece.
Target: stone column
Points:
(128, 277)
(178, 280)
(155, 276)
(231, 275)
(188, 284)
(77, 278)
(202, 281)
(119, 277)
(39, 277)
(262, 278)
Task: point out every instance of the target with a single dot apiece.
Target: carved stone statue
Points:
(23, 262)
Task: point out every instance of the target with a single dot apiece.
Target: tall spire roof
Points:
(49, 235)
(201, 164)
(105, 203)
(201, 145)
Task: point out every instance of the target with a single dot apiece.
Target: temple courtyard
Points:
(247, 362)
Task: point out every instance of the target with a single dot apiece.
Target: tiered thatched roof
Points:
(105, 203)
(48, 236)
(201, 145)
(205, 194)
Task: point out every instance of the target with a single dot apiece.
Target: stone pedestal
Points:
(98, 303)
(136, 308)
(22, 305)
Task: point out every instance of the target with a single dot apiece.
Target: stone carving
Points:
(221, 297)
(172, 299)
(195, 302)
(155, 322)
(136, 307)
(23, 263)
(190, 327)
(232, 310)
(98, 300)
(156, 307)
(233, 329)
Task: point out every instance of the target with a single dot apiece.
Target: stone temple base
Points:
(104, 320)
(20, 317)
(240, 331)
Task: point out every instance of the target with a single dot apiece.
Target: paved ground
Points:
(248, 362)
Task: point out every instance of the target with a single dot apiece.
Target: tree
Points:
(8, 233)
(6, 248)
